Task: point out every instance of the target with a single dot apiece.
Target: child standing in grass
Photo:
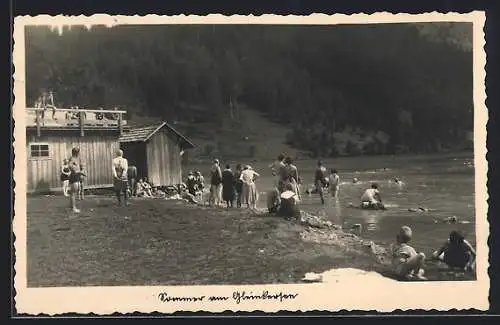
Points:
(406, 261)
(65, 173)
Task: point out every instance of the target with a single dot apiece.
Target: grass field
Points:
(167, 242)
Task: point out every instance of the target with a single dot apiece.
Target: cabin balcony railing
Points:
(81, 118)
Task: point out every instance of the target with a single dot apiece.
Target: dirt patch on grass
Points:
(168, 242)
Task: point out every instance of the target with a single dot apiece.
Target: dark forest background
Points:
(337, 90)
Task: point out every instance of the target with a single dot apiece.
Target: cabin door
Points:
(135, 153)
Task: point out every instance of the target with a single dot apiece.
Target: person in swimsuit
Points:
(132, 179)
(457, 252)
(120, 181)
(74, 177)
(65, 173)
(321, 181)
(334, 183)
(81, 188)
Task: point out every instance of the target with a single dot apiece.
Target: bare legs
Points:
(74, 188)
(412, 267)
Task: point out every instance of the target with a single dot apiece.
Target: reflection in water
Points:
(371, 222)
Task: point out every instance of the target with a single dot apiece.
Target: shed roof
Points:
(144, 133)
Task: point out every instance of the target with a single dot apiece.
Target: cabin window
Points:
(39, 150)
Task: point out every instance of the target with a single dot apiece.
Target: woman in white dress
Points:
(249, 194)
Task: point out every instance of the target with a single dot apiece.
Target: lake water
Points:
(442, 183)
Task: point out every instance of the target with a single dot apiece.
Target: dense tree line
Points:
(340, 89)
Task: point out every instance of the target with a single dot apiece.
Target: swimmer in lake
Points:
(398, 182)
(355, 180)
(371, 198)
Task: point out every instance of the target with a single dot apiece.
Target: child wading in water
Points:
(405, 259)
(334, 183)
(457, 252)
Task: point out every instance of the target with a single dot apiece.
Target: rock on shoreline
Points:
(322, 231)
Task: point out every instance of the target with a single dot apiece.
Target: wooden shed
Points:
(156, 150)
(49, 140)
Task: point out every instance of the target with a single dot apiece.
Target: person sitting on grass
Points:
(139, 188)
(148, 189)
(273, 200)
(371, 198)
(406, 261)
(191, 183)
(457, 252)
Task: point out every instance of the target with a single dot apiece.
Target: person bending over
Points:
(371, 198)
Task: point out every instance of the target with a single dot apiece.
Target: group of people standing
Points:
(125, 182)
(230, 187)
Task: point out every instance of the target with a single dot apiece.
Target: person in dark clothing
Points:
(457, 252)
(288, 207)
(238, 184)
(228, 186)
(215, 184)
(191, 184)
(321, 181)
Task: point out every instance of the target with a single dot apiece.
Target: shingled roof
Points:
(144, 133)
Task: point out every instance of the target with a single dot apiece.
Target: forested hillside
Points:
(339, 90)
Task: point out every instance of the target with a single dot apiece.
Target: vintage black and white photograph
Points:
(252, 154)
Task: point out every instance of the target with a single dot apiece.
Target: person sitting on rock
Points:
(406, 261)
(371, 198)
(457, 252)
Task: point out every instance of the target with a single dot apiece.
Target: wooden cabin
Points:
(51, 134)
(156, 150)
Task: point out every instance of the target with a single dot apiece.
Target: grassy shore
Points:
(167, 242)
